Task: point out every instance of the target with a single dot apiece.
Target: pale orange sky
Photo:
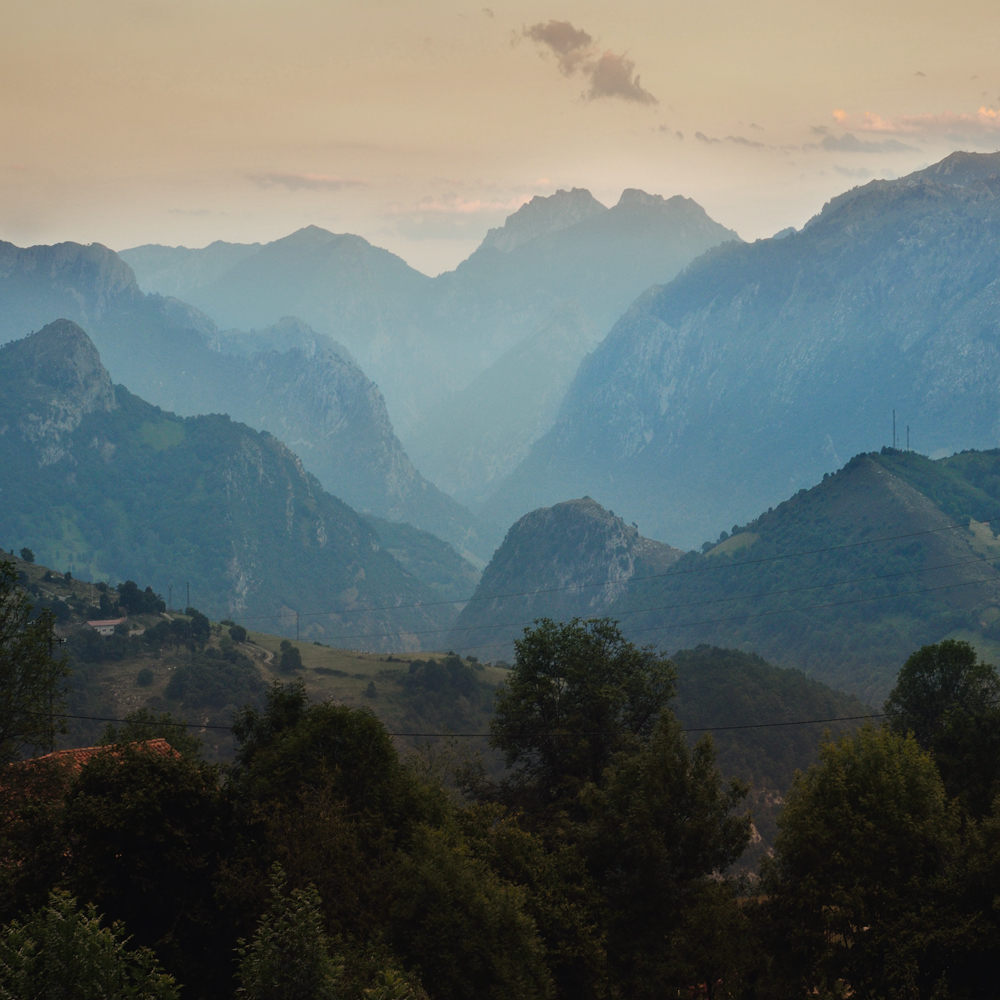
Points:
(419, 125)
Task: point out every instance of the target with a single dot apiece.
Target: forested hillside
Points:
(842, 581)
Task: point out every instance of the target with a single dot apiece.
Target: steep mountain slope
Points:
(473, 438)
(842, 581)
(575, 559)
(763, 365)
(301, 386)
(103, 482)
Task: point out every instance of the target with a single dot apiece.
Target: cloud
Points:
(850, 143)
(736, 140)
(919, 73)
(306, 182)
(950, 126)
(610, 74)
(615, 76)
(839, 115)
(572, 45)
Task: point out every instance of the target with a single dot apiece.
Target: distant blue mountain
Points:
(765, 365)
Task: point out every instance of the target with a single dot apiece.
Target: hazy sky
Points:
(420, 125)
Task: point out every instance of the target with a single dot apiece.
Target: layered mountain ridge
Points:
(104, 483)
(287, 379)
(425, 341)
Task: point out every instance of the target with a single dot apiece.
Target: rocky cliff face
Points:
(138, 493)
(58, 375)
(81, 283)
(574, 559)
(763, 366)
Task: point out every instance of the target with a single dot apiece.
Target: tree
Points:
(578, 694)
(463, 927)
(950, 701)
(32, 689)
(865, 838)
(662, 825)
(291, 659)
(27, 555)
(139, 602)
(289, 957)
(147, 829)
(63, 953)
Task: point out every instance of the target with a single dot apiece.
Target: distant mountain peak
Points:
(543, 215)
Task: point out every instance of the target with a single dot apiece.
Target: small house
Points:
(107, 626)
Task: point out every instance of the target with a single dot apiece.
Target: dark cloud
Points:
(701, 137)
(919, 73)
(850, 143)
(306, 182)
(573, 46)
(610, 74)
(615, 76)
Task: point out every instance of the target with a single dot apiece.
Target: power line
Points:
(476, 628)
(631, 580)
(568, 733)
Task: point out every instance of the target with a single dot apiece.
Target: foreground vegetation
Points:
(599, 863)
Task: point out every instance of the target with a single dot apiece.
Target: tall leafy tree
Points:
(578, 694)
(32, 679)
(950, 701)
(866, 838)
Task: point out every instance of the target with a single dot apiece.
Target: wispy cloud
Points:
(610, 74)
(850, 143)
(306, 182)
(983, 126)
(736, 140)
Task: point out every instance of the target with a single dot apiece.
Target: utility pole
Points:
(296, 626)
(907, 437)
(893, 430)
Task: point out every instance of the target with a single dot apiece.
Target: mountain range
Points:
(103, 483)
(764, 365)
(564, 262)
(302, 386)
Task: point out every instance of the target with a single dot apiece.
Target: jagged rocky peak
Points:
(961, 169)
(576, 541)
(58, 367)
(543, 215)
(637, 202)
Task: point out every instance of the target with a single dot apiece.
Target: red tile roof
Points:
(105, 622)
(81, 755)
